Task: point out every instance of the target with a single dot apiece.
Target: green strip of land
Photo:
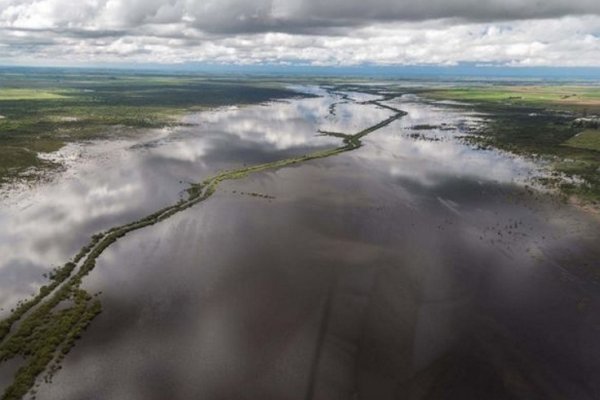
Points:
(566, 97)
(43, 333)
(28, 94)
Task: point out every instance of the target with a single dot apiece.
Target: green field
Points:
(41, 112)
(579, 98)
(28, 94)
(588, 139)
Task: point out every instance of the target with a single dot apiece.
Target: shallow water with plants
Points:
(356, 246)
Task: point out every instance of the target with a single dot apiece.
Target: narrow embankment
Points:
(43, 333)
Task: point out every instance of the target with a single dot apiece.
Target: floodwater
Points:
(416, 267)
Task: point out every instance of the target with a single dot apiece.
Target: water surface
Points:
(414, 267)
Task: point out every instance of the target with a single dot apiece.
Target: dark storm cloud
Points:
(236, 16)
(243, 16)
(313, 16)
(476, 10)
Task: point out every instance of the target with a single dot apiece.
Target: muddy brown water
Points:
(415, 267)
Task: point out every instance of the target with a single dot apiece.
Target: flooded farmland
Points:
(415, 266)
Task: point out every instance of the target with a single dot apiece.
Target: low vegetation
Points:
(588, 140)
(40, 112)
(583, 99)
(255, 194)
(556, 123)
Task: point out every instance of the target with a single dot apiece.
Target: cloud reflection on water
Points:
(111, 182)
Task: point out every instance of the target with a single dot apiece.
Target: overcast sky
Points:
(314, 32)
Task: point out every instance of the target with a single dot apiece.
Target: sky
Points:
(522, 33)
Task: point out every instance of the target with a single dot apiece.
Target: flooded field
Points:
(416, 266)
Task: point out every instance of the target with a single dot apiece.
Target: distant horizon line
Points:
(364, 70)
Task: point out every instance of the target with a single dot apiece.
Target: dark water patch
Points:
(414, 309)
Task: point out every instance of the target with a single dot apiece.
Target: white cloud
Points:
(316, 32)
